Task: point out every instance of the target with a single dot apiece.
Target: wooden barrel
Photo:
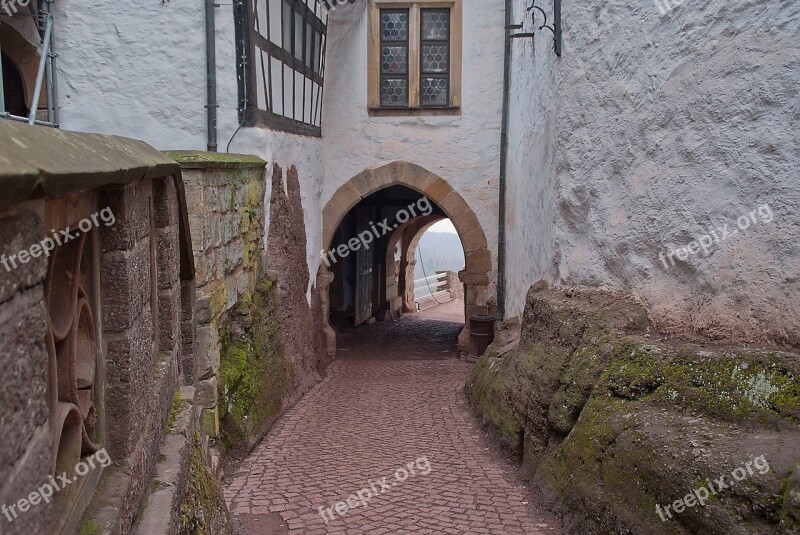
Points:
(481, 329)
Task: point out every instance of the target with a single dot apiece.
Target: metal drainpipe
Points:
(211, 76)
(501, 228)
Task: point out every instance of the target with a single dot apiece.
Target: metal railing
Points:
(432, 285)
(433, 289)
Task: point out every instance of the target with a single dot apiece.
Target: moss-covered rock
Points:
(203, 512)
(91, 528)
(255, 372)
(611, 420)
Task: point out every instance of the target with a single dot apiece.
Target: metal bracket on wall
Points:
(555, 28)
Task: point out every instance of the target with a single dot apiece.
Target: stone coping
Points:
(39, 161)
(192, 159)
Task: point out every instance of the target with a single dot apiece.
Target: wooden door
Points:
(364, 263)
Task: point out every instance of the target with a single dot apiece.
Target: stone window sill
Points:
(413, 112)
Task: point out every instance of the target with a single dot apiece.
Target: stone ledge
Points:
(190, 159)
(161, 510)
(37, 161)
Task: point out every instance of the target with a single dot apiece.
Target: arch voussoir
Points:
(365, 182)
(438, 190)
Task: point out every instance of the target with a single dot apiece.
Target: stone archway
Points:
(478, 291)
(23, 57)
(407, 236)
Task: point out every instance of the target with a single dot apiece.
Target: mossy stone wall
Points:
(256, 374)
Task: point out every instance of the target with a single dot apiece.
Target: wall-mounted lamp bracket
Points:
(555, 28)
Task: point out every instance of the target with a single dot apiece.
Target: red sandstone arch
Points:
(409, 234)
(478, 292)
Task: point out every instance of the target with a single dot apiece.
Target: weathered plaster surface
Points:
(668, 125)
(530, 205)
(132, 68)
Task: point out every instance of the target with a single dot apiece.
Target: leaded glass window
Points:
(414, 55)
(435, 64)
(394, 57)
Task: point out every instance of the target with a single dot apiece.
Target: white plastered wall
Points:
(669, 124)
(530, 235)
(462, 149)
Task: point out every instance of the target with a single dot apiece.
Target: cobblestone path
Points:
(390, 421)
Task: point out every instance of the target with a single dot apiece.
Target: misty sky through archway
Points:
(444, 225)
(439, 249)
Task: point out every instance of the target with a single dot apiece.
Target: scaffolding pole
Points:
(43, 60)
(2, 92)
(52, 79)
(48, 76)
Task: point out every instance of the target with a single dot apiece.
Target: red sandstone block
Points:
(166, 202)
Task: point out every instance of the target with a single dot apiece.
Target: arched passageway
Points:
(372, 225)
(13, 88)
(20, 62)
(401, 261)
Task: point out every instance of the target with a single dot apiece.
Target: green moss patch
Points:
(91, 528)
(177, 405)
(732, 387)
(190, 159)
(255, 372)
(203, 512)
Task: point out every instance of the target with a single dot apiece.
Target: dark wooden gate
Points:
(364, 264)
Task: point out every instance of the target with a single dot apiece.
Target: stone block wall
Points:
(25, 449)
(225, 201)
(140, 276)
(96, 325)
(455, 286)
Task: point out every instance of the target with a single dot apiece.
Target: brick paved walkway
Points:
(393, 396)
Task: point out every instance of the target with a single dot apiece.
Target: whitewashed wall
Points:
(671, 124)
(464, 150)
(530, 235)
(133, 68)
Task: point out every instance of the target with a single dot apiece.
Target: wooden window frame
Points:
(415, 8)
(250, 44)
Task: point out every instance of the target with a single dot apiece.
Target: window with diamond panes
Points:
(394, 57)
(434, 87)
(281, 64)
(414, 57)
